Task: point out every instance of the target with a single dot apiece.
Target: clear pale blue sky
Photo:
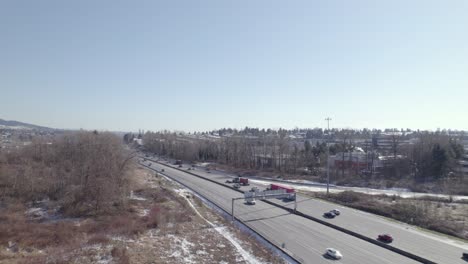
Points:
(199, 65)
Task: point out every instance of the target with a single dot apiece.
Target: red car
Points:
(385, 238)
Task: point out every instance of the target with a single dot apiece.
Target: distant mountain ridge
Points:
(17, 125)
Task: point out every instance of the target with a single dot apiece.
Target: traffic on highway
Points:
(429, 248)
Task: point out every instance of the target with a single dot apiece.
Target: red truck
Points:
(241, 181)
(281, 187)
(244, 181)
(289, 190)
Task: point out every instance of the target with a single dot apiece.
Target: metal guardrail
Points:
(287, 253)
(344, 230)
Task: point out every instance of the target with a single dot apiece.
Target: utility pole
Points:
(232, 210)
(328, 119)
(328, 155)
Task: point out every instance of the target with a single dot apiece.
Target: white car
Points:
(336, 211)
(254, 189)
(333, 253)
(251, 201)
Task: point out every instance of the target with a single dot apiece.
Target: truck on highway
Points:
(239, 180)
(290, 190)
(274, 186)
(244, 181)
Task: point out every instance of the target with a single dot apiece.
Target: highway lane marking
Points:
(311, 249)
(183, 173)
(289, 257)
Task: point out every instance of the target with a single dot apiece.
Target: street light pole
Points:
(328, 170)
(232, 211)
(328, 119)
(328, 156)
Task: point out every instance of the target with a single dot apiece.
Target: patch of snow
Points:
(182, 248)
(153, 232)
(201, 252)
(223, 213)
(318, 187)
(122, 239)
(225, 233)
(37, 213)
(176, 254)
(135, 197)
(102, 256)
(144, 212)
(15, 127)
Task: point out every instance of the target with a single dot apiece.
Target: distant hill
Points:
(20, 125)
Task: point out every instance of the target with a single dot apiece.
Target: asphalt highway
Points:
(303, 239)
(437, 248)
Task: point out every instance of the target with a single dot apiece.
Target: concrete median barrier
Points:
(299, 213)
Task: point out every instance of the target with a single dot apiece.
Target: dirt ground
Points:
(164, 223)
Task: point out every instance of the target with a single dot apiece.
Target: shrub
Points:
(98, 239)
(85, 172)
(120, 255)
(348, 197)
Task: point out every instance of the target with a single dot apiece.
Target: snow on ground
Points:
(314, 187)
(223, 231)
(144, 212)
(96, 253)
(239, 225)
(15, 127)
(103, 254)
(122, 239)
(136, 197)
(182, 248)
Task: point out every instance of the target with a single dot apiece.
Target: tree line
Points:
(432, 156)
(84, 172)
(265, 152)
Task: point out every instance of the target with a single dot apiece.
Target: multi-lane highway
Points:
(303, 239)
(436, 248)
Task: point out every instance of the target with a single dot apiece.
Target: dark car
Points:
(336, 211)
(465, 255)
(329, 215)
(385, 238)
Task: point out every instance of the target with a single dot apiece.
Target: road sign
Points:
(255, 193)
